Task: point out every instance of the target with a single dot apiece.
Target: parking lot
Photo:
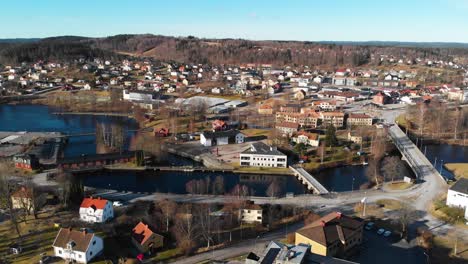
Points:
(379, 249)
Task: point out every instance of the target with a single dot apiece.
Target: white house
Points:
(96, 210)
(218, 138)
(457, 195)
(251, 213)
(78, 246)
(305, 138)
(261, 155)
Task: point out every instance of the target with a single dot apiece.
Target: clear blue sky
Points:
(357, 20)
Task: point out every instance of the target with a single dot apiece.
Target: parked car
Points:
(369, 226)
(387, 233)
(45, 259)
(117, 203)
(380, 231)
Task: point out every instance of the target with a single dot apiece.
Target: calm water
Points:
(175, 182)
(343, 178)
(41, 118)
(443, 153)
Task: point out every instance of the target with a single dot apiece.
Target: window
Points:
(60, 252)
(90, 253)
(94, 242)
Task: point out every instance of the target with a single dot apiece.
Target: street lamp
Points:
(427, 257)
(255, 243)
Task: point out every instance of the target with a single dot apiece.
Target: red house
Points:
(219, 125)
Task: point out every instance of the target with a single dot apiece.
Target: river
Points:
(41, 118)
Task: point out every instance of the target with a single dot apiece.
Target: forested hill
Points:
(230, 51)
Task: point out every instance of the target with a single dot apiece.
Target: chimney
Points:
(338, 215)
(323, 223)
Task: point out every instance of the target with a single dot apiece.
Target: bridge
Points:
(420, 165)
(308, 180)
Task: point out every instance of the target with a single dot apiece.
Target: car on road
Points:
(117, 204)
(380, 231)
(369, 226)
(387, 233)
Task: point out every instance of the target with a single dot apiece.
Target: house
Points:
(354, 138)
(218, 138)
(26, 161)
(96, 210)
(332, 235)
(261, 155)
(359, 120)
(218, 125)
(144, 239)
(381, 99)
(77, 246)
(23, 199)
(334, 118)
(265, 109)
(311, 139)
(251, 213)
(457, 195)
(300, 95)
(287, 128)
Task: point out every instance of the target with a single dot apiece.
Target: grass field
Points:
(37, 237)
(460, 170)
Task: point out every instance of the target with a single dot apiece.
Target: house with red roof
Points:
(96, 210)
(144, 239)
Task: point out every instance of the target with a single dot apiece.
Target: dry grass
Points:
(37, 237)
(460, 170)
(389, 204)
(399, 185)
(442, 251)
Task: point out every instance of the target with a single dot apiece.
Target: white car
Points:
(380, 231)
(117, 203)
(387, 233)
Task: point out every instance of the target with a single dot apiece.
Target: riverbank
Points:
(95, 114)
(459, 170)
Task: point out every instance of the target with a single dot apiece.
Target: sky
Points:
(306, 20)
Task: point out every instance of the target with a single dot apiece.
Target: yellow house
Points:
(332, 235)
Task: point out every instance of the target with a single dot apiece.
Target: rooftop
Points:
(460, 186)
(262, 149)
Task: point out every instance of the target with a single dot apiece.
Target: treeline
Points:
(238, 51)
(59, 49)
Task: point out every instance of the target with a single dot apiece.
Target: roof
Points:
(219, 134)
(277, 252)
(97, 203)
(80, 239)
(359, 116)
(262, 149)
(141, 233)
(311, 136)
(331, 228)
(460, 186)
(288, 125)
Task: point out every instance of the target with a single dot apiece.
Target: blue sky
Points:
(355, 20)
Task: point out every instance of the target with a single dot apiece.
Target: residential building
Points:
(265, 109)
(291, 108)
(218, 138)
(251, 213)
(261, 155)
(26, 161)
(307, 119)
(287, 129)
(218, 125)
(77, 246)
(354, 138)
(325, 105)
(334, 118)
(332, 235)
(96, 210)
(279, 253)
(460, 95)
(359, 120)
(457, 195)
(23, 199)
(144, 239)
(311, 139)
